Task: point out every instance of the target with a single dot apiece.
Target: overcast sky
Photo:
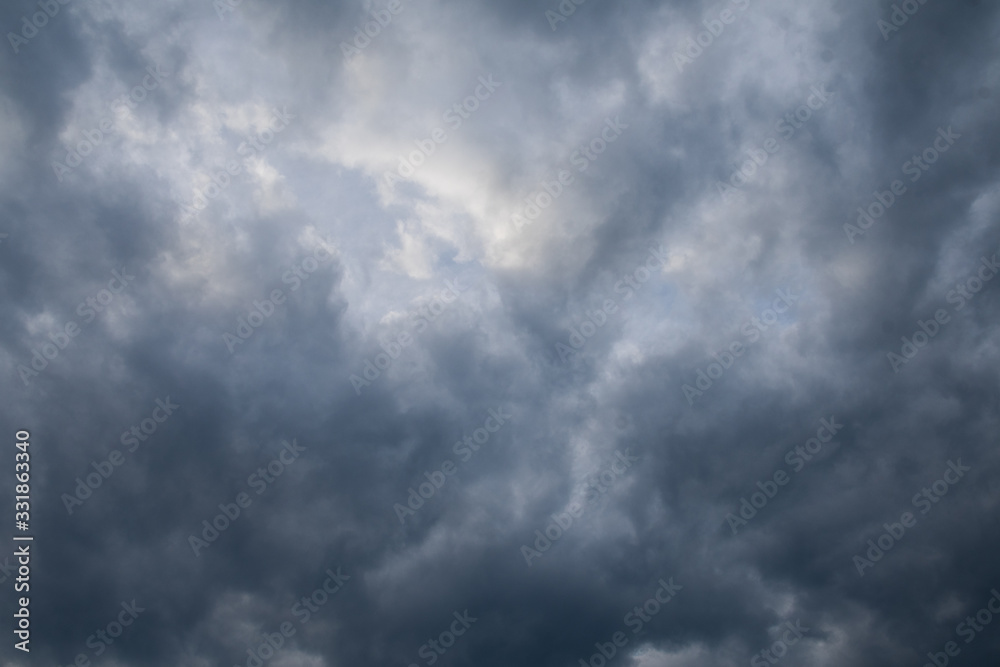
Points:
(439, 332)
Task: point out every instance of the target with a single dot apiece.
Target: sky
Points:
(559, 333)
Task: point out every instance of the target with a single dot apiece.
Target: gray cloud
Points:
(393, 249)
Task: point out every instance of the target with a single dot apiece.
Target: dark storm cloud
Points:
(615, 535)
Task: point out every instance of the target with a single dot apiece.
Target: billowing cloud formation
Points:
(416, 333)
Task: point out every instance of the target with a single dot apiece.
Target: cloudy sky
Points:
(658, 333)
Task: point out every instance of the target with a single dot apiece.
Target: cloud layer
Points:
(504, 333)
